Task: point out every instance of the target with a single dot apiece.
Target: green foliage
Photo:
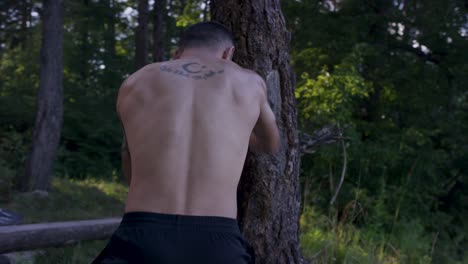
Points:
(403, 108)
(13, 148)
(327, 240)
(6, 182)
(95, 136)
(330, 96)
(334, 246)
(192, 13)
(13, 151)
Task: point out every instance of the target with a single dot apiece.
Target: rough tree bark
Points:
(141, 37)
(159, 30)
(49, 114)
(269, 194)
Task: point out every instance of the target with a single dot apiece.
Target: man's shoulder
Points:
(242, 70)
(147, 70)
(251, 77)
(248, 75)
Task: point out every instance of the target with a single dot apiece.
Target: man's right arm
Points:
(265, 135)
(125, 152)
(126, 161)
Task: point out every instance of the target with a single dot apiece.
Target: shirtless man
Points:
(188, 124)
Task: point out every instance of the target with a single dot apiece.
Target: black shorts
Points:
(176, 239)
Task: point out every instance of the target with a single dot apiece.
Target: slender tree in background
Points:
(159, 30)
(49, 114)
(183, 3)
(110, 58)
(269, 194)
(26, 7)
(206, 9)
(110, 29)
(141, 38)
(84, 46)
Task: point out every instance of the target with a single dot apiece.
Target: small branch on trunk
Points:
(324, 136)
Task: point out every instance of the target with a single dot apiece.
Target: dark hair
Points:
(206, 34)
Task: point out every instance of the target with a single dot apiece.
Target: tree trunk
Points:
(26, 7)
(159, 30)
(110, 30)
(183, 3)
(206, 9)
(49, 115)
(141, 38)
(110, 58)
(269, 194)
(84, 43)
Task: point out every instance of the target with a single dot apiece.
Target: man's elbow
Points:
(126, 167)
(274, 148)
(273, 144)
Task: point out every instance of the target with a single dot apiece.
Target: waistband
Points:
(208, 223)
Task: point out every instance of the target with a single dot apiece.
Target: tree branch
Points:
(324, 136)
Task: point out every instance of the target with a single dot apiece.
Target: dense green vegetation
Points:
(392, 74)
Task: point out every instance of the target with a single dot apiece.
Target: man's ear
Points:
(177, 53)
(228, 53)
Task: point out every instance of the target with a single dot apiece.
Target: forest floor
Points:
(69, 200)
(92, 199)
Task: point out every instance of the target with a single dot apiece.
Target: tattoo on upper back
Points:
(192, 70)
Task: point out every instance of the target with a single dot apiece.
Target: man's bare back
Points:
(187, 124)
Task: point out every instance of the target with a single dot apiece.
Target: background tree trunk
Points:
(183, 3)
(84, 46)
(49, 115)
(205, 10)
(141, 38)
(110, 58)
(26, 7)
(110, 39)
(269, 194)
(159, 30)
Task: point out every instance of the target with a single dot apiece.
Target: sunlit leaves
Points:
(329, 96)
(193, 13)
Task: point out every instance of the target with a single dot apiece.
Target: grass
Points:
(324, 241)
(70, 200)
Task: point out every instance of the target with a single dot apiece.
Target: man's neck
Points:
(199, 54)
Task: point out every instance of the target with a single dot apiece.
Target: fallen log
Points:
(35, 236)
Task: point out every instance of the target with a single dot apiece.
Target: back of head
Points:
(210, 35)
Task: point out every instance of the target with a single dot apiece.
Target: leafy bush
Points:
(6, 182)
